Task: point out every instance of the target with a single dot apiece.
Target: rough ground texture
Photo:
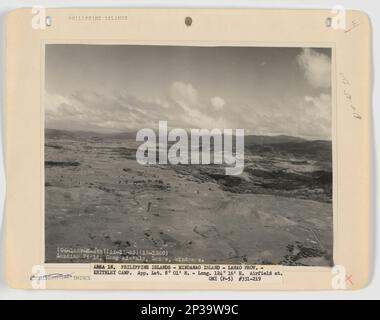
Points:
(278, 211)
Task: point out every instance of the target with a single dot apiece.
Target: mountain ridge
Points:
(249, 139)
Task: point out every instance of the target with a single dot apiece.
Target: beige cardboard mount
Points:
(24, 128)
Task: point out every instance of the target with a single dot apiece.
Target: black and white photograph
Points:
(188, 154)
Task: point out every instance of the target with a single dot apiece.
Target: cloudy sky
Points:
(114, 88)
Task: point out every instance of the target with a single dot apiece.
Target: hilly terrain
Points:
(278, 211)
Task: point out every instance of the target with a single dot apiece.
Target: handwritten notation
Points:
(348, 96)
(354, 24)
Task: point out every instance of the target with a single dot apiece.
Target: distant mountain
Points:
(316, 149)
(66, 134)
(254, 139)
(55, 133)
(122, 135)
(249, 140)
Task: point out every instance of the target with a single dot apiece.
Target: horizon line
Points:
(245, 135)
